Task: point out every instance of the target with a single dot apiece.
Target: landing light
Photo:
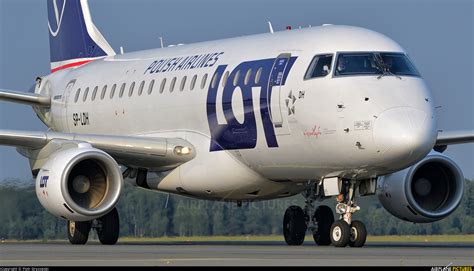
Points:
(180, 150)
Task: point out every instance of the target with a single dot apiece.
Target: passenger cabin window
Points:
(77, 95)
(236, 78)
(214, 80)
(173, 82)
(258, 75)
(320, 66)
(150, 87)
(140, 89)
(130, 92)
(183, 83)
(112, 91)
(162, 86)
(247, 76)
(104, 90)
(122, 89)
(203, 82)
(193, 82)
(85, 94)
(94, 93)
(224, 79)
(374, 63)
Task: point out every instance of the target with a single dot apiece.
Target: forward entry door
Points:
(274, 93)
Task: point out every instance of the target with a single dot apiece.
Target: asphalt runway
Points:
(235, 254)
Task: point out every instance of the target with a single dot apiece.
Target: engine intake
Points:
(79, 184)
(425, 192)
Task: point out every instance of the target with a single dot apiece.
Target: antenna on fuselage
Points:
(121, 50)
(270, 27)
(161, 42)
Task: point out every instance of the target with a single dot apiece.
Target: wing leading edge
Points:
(134, 151)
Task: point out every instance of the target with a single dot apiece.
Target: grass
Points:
(278, 238)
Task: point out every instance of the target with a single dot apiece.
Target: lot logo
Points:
(44, 181)
(264, 76)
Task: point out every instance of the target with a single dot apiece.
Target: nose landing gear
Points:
(358, 234)
(353, 233)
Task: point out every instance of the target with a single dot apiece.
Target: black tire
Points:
(108, 232)
(340, 233)
(358, 234)
(294, 226)
(324, 218)
(78, 232)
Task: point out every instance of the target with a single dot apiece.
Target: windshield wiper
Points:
(383, 67)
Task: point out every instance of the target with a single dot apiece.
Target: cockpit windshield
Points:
(374, 63)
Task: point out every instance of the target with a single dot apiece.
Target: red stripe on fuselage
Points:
(70, 65)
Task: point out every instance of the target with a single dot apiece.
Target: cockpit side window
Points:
(320, 66)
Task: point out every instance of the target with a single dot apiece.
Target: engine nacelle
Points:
(425, 192)
(79, 184)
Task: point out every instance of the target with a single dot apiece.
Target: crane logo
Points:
(58, 16)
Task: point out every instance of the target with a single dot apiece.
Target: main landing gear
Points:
(321, 223)
(107, 228)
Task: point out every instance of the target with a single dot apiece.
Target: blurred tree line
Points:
(150, 214)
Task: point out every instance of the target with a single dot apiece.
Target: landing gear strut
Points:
(346, 231)
(107, 228)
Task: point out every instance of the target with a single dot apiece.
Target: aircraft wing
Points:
(133, 151)
(25, 98)
(454, 137)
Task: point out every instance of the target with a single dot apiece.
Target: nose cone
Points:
(404, 134)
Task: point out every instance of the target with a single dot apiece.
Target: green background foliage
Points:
(150, 214)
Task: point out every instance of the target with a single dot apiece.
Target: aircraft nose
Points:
(404, 133)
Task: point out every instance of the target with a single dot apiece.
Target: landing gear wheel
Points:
(358, 234)
(78, 232)
(324, 218)
(108, 232)
(340, 233)
(294, 226)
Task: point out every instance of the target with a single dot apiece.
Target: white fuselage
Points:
(254, 139)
